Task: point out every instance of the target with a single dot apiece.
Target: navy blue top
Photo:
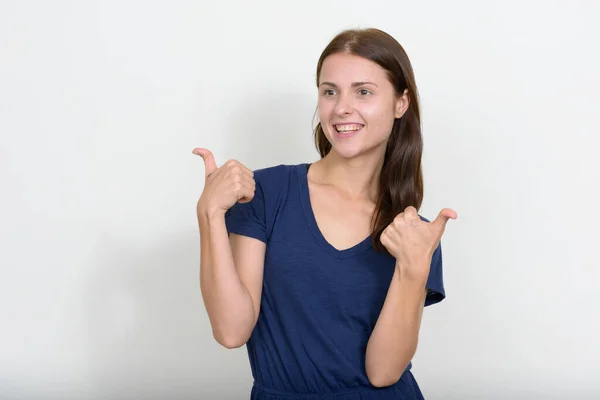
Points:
(319, 305)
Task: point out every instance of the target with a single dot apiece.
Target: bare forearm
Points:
(227, 300)
(394, 339)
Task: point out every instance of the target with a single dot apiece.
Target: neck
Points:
(358, 178)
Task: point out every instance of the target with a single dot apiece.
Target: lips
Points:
(348, 128)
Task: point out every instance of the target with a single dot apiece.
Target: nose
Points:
(344, 105)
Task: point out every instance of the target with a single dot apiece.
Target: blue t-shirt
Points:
(319, 305)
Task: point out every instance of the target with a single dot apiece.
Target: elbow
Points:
(381, 380)
(232, 334)
(231, 344)
(382, 374)
(230, 341)
(384, 369)
(379, 376)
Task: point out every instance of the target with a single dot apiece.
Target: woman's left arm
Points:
(394, 339)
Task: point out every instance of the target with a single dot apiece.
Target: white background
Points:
(101, 103)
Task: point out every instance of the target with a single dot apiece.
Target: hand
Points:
(223, 187)
(413, 241)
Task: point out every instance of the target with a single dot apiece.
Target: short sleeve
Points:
(435, 281)
(249, 219)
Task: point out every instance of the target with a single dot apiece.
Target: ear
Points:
(402, 103)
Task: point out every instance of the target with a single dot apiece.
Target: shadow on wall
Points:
(275, 130)
(148, 333)
(149, 336)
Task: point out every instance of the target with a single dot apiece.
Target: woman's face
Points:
(357, 104)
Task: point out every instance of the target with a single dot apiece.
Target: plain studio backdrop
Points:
(102, 102)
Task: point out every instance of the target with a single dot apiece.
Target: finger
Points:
(411, 220)
(410, 210)
(442, 219)
(385, 237)
(210, 165)
(238, 167)
(244, 179)
(247, 170)
(399, 218)
(411, 216)
(248, 183)
(246, 192)
(399, 223)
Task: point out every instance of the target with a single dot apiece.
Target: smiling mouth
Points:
(347, 129)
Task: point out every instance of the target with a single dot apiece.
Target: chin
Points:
(346, 152)
(354, 150)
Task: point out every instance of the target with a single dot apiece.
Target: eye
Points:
(365, 92)
(329, 92)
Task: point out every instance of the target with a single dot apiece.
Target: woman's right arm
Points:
(231, 278)
(231, 266)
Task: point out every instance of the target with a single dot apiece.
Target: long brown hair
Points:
(401, 179)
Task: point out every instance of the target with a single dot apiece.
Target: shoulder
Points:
(274, 186)
(275, 171)
(276, 178)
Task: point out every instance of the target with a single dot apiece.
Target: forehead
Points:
(348, 68)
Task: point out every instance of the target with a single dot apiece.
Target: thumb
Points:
(209, 160)
(442, 219)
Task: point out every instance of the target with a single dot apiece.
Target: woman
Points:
(323, 269)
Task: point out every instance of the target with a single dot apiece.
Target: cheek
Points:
(380, 117)
(323, 110)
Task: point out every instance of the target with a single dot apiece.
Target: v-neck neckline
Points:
(358, 248)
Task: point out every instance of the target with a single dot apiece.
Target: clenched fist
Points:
(223, 186)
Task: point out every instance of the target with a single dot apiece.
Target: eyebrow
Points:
(355, 84)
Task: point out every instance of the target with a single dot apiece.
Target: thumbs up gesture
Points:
(413, 241)
(224, 186)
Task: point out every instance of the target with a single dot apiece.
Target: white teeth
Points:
(347, 128)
